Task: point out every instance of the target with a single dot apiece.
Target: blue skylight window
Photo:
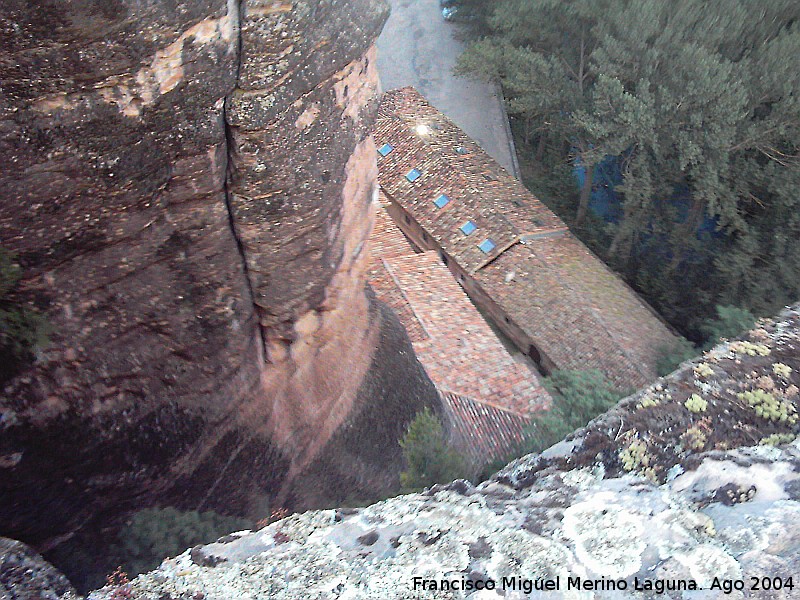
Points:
(486, 246)
(468, 227)
(385, 149)
(413, 175)
(442, 201)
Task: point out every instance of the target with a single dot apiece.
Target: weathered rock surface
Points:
(569, 524)
(24, 575)
(188, 187)
(571, 515)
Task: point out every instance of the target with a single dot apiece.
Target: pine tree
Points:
(539, 52)
(699, 104)
(428, 457)
(731, 321)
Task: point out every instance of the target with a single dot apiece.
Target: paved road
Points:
(419, 48)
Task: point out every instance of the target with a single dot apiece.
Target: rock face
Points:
(580, 518)
(188, 187)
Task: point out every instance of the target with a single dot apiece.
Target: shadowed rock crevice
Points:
(361, 462)
(235, 9)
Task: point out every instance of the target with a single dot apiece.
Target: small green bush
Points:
(731, 322)
(429, 458)
(767, 406)
(696, 404)
(669, 357)
(154, 534)
(776, 439)
(578, 397)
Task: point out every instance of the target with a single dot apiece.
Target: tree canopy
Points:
(699, 104)
(578, 397)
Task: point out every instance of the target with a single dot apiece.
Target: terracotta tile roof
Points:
(578, 312)
(480, 430)
(575, 312)
(382, 281)
(455, 345)
(450, 163)
(387, 241)
(485, 392)
(462, 354)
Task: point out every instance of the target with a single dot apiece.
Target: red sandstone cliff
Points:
(187, 186)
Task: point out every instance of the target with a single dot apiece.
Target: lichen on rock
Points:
(616, 528)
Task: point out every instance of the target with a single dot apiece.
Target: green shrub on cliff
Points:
(669, 357)
(428, 457)
(578, 397)
(730, 322)
(156, 533)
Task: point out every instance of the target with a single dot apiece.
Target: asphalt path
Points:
(419, 48)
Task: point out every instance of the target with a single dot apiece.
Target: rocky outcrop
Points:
(570, 528)
(187, 187)
(305, 99)
(24, 575)
(583, 520)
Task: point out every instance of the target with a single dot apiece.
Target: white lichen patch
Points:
(582, 479)
(782, 533)
(522, 554)
(298, 527)
(740, 533)
(705, 562)
(607, 537)
(769, 477)
(435, 549)
(679, 530)
(131, 92)
(612, 528)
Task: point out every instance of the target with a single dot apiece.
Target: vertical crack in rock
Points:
(174, 171)
(300, 180)
(235, 8)
(117, 203)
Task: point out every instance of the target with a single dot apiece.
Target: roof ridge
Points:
(489, 260)
(399, 287)
(568, 302)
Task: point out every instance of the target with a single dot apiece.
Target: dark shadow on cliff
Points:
(362, 461)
